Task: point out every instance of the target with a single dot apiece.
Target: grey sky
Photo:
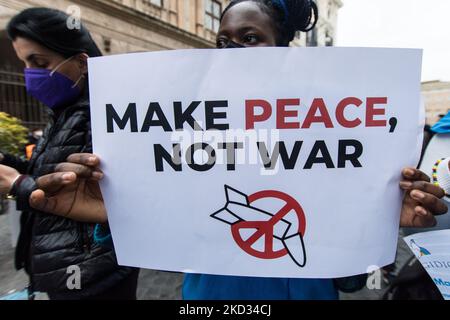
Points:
(400, 23)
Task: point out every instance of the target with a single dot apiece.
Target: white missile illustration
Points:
(237, 209)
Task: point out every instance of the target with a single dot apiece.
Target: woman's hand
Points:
(72, 191)
(422, 200)
(7, 177)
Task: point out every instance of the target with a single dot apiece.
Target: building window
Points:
(106, 45)
(213, 9)
(158, 3)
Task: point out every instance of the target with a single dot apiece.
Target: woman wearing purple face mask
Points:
(50, 246)
(52, 88)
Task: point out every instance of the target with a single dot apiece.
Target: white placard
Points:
(345, 121)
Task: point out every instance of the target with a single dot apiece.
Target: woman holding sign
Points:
(58, 253)
(244, 23)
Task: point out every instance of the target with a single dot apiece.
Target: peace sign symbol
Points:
(266, 228)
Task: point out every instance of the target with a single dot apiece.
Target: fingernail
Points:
(97, 175)
(421, 211)
(67, 176)
(409, 172)
(417, 194)
(405, 184)
(91, 160)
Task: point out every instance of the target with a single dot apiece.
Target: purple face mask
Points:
(50, 87)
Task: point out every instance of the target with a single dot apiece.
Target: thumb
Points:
(38, 200)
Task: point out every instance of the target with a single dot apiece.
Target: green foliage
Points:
(13, 136)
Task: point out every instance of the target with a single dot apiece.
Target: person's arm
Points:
(21, 190)
(17, 185)
(14, 162)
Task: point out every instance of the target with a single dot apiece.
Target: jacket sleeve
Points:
(15, 162)
(88, 137)
(22, 190)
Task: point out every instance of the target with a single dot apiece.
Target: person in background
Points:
(51, 247)
(33, 137)
(436, 147)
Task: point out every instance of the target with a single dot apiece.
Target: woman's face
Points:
(246, 24)
(34, 55)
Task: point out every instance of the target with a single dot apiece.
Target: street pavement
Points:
(153, 285)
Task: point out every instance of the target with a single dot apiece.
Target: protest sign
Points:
(432, 249)
(280, 162)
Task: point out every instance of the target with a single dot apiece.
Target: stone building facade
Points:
(436, 96)
(123, 26)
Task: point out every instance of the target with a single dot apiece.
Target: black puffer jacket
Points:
(49, 244)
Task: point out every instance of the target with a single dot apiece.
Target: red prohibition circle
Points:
(265, 228)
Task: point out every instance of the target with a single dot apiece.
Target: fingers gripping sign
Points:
(421, 201)
(74, 192)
